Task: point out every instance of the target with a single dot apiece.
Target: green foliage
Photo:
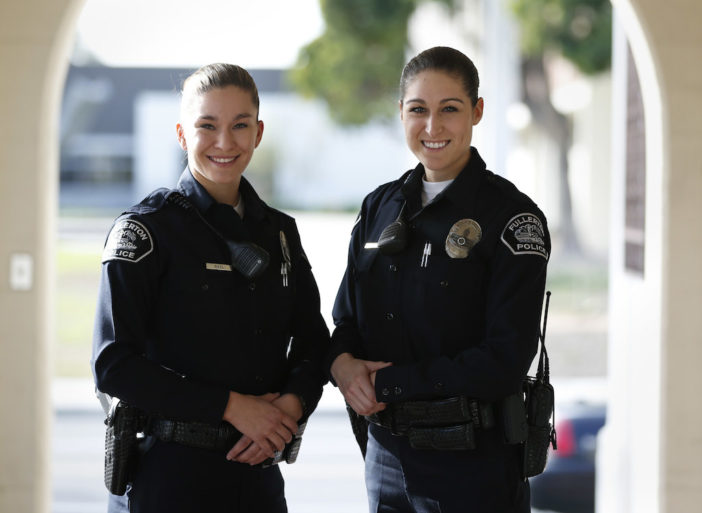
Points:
(355, 65)
(580, 30)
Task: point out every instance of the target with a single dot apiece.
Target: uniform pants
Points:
(400, 479)
(173, 478)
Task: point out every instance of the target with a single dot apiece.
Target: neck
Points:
(446, 174)
(227, 193)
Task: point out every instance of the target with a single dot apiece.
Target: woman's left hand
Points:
(246, 451)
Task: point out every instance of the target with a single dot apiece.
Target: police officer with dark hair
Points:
(208, 318)
(437, 316)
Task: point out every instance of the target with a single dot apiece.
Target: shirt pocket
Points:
(204, 292)
(368, 289)
(450, 295)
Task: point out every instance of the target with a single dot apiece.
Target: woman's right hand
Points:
(260, 421)
(353, 377)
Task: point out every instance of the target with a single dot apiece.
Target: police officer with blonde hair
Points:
(208, 319)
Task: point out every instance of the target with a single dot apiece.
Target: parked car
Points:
(568, 483)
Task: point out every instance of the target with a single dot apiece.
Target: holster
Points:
(120, 445)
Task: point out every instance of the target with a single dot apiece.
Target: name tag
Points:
(371, 245)
(218, 267)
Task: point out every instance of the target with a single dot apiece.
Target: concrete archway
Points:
(650, 457)
(35, 38)
(655, 407)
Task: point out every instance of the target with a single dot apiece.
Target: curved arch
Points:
(650, 458)
(36, 37)
(34, 49)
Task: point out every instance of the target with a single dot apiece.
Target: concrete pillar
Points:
(35, 38)
(650, 455)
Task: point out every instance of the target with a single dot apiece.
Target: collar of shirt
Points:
(202, 200)
(431, 190)
(464, 188)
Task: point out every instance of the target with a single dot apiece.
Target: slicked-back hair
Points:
(218, 76)
(448, 60)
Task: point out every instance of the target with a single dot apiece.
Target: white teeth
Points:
(220, 160)
(435, 145)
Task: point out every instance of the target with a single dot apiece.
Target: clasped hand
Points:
(356, 380)
(267, 422)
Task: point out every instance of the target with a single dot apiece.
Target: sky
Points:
(187, 33)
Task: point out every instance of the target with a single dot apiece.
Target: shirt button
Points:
(385, 391)
(205, 286)
(438, 386)
(393, 268)
(398, 390)
(259, 379)
(258, 331)
(252, 286)
(389, 316)
(444, 283)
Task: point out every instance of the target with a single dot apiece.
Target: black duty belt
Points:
(219, 438)
(441, 424)
(194, 434)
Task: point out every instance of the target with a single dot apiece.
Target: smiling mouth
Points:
(434, 145)
(222, 160)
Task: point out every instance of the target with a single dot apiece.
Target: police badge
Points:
(464, 234)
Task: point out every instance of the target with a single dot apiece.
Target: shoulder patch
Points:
(524, 235)
(129, 240)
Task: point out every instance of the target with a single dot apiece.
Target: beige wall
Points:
(655, 348)
(34, 38)
(650, 453)
(677, 39)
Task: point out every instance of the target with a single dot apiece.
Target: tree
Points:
(580, 31)
(355, 65)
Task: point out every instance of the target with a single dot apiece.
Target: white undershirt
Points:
(239, 207)
(431, 190)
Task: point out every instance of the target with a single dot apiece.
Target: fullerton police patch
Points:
(129, 240)
(524, 235)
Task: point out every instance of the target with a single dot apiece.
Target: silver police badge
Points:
(464, 234)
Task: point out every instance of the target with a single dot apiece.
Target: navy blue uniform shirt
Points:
(177, 328)
(457, 311)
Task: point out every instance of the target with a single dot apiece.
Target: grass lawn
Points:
(78, 274)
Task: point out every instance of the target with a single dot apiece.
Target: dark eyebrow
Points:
(445, 100)
(210, 117)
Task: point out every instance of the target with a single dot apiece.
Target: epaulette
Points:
(153, 202)
(506, 187)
